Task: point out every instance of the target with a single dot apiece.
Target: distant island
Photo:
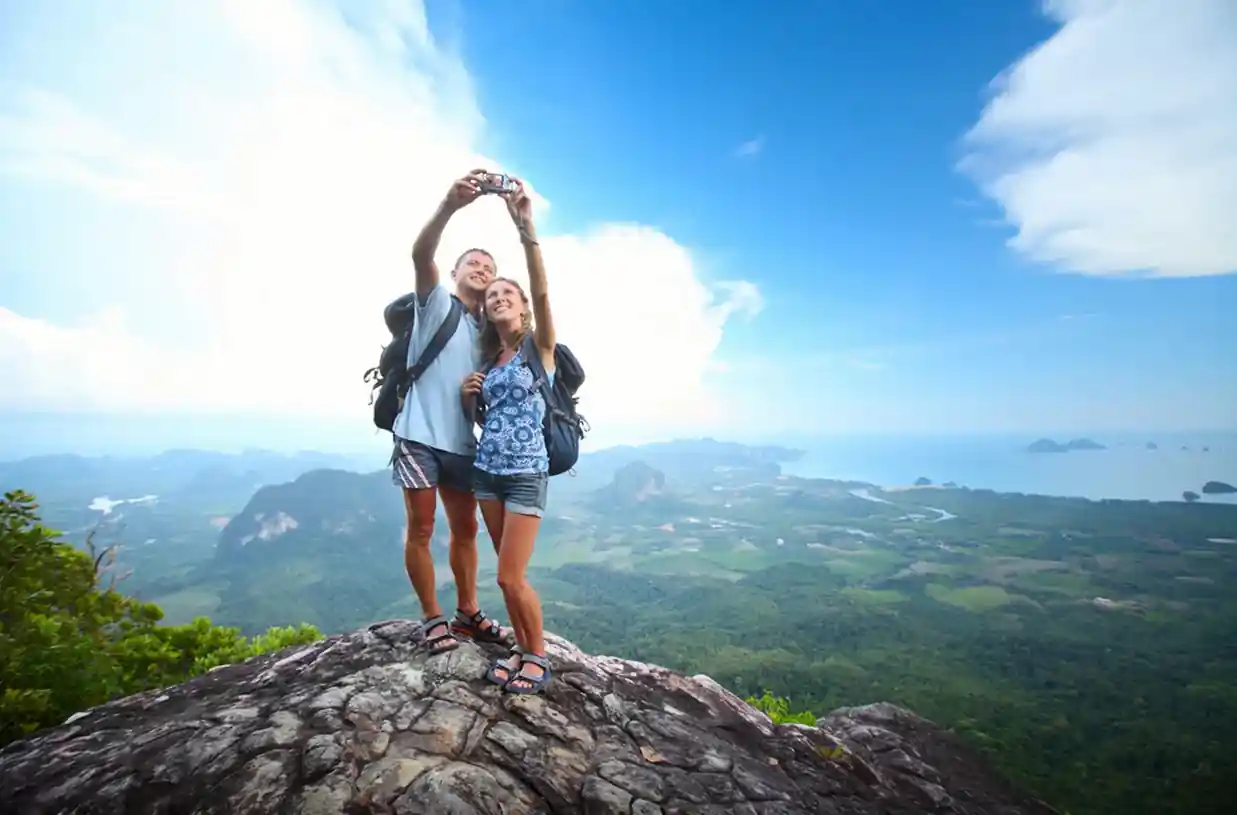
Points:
(1218, 488)
(1050, 446)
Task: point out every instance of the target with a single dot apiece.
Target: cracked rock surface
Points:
(367, 722)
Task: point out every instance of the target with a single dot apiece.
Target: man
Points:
(434, 441)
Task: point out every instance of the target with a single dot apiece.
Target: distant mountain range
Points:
(196, 477)
(337, 503)
(226, 480)
(326, 545)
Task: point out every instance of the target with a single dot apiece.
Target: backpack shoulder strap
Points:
(438, 341)
(532, 358)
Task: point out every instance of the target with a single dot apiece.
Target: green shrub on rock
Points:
(68, 642)
(777, 708)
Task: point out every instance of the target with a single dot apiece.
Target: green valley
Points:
(1085, 646)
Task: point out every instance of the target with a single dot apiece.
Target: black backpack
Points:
(563, 426)
(391, 378)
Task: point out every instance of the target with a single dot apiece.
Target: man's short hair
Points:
(460, 259)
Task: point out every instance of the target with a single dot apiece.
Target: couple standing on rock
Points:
(489, 366)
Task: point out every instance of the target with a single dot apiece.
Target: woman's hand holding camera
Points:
(520, 208)
(477, 183)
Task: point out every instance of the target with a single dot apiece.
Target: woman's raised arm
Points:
(521, 208)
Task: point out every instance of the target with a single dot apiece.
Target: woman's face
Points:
(503, 303)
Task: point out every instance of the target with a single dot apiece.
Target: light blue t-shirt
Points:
(512, 438)
(432, 414)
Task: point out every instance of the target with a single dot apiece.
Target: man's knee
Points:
(420, 524)
(461, 510)
(418, 510)
(464, 530)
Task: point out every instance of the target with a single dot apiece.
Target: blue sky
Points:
(825, 217)
(849, 211)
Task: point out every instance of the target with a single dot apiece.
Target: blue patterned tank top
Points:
(512, 440)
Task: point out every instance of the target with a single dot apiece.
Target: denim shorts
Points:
(521, 493)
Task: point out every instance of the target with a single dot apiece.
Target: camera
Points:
(497, 184)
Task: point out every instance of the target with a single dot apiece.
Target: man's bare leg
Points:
(419, 506)
(461, 510)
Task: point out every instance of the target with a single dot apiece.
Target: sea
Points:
(1143, 466)
(1126, 469)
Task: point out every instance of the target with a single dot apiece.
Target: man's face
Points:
(475, 271)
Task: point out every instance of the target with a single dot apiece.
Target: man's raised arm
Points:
(462, 193)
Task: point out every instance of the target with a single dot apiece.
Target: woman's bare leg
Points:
(494, 514)
(523, 605)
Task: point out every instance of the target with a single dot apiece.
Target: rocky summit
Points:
(369, 723)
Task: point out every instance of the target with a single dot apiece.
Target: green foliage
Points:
(68, 642)
(1094, 711)
(986, 622)
(777, 708)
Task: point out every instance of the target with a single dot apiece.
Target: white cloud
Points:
(299, 156)
(1112, 147)
(751, 147)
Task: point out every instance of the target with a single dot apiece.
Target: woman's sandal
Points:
(532, 685)
(440, 643)
(503, 664)
(481, 628)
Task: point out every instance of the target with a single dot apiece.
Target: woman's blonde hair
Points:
(491, 343)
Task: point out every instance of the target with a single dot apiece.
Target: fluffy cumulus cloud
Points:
(271, 164)
(1112, 147)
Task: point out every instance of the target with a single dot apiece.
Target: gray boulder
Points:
(368, 723)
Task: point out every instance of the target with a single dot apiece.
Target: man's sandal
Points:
(439, 643)
(504, 666)
(531, 685)
(481, 628)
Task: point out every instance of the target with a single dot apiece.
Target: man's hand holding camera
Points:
(464, 191)
(479, 182)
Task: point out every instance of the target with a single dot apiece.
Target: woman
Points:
(511, 469)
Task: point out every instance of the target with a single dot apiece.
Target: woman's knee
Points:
(511, 582)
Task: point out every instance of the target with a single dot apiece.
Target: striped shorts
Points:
(415, 466)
